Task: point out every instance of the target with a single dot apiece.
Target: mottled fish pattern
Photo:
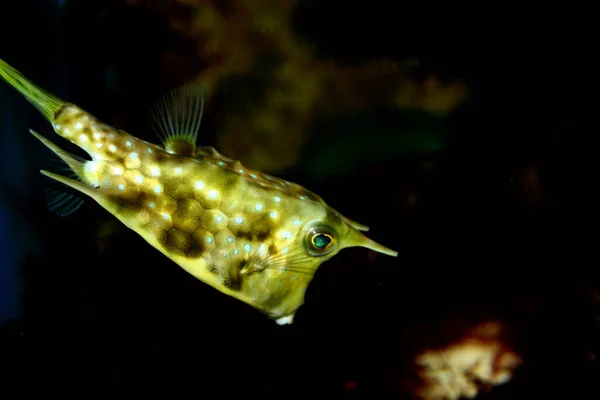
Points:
(252, 236)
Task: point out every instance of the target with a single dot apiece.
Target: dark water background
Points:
(82, 322)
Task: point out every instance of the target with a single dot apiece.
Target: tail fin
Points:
(46, 103)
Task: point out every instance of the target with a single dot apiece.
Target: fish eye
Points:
(320, 241)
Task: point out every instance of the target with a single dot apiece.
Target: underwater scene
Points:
(292, 198)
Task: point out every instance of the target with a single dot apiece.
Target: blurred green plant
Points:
(339, 146)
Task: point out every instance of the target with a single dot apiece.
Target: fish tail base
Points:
(46, 103)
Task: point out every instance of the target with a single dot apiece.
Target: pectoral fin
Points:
(62, 203)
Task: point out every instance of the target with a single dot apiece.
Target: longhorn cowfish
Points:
(255, 237)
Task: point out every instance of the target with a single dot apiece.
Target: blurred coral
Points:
(255, 39)
(479, 359)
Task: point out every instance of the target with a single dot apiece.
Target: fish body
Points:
(254, 237)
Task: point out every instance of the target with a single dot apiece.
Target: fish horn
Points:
(357, 239)
(356, 225)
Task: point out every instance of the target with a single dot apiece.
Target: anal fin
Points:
(62, 203)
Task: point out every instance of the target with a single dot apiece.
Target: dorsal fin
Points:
(177, 117)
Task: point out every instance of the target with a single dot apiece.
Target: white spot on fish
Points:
(121, 187)
(155, 171)
(56, 126)
(221, 163)
(273, 214)
(99, 145)
(157, 189)
(112, 148)
(117, 170)
(177, 170)
(241, 171)
(199, 185)
(83, 138)
(230, 239)
(253, 175)
(91, 167)
(128, 143)
(165, 216)
(219, 219)
(97, 135)
(259, 207)
(213, 194)
(262, 249)
(66, 131)
(78, 126)
(286, 235)
(149, 150)
(225, 255)
(133, 155)
(111, 135)
(277, 199)
(209, 239)
(247, 247)
(139, 179)
(238, 220)
(236, 252)
(297, 222)
(285, 251)
(151, 204)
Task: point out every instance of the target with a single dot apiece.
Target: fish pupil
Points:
(321, 241)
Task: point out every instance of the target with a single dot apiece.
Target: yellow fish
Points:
(254, 237)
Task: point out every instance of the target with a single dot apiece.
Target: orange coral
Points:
(462, 368)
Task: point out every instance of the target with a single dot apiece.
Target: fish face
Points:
(275, 270)
(279, 268)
